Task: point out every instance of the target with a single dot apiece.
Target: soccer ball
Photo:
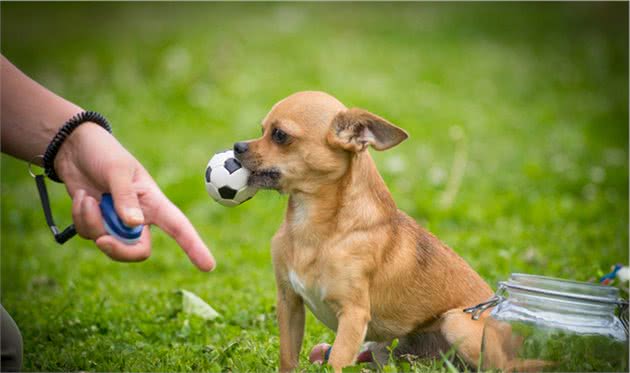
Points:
(226, 180)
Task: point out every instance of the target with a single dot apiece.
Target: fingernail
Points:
(213, 265)
(135, 215)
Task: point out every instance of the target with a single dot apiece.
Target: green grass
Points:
(533, 97)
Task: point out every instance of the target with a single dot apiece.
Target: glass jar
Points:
(546, 324)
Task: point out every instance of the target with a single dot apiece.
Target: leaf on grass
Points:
(193, 305)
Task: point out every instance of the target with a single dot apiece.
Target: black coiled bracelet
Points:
(62, 135)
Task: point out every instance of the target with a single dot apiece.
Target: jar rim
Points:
(556, 287)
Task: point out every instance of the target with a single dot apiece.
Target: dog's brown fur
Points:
(379, 274)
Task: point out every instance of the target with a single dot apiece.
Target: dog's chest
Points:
(313, 296)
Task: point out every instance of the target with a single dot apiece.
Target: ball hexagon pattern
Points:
(226, 180)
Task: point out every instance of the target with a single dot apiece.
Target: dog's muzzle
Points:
(266, 178)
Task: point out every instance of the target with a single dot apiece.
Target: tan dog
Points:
(363, 267)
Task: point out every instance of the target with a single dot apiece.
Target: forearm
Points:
(30, 114)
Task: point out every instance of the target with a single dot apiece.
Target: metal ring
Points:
(30, 163)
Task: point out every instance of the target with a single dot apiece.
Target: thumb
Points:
(125, 197)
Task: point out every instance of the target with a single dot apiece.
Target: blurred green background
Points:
(518, 155)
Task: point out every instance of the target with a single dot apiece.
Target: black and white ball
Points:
(226, 180)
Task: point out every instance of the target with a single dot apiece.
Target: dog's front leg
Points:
(290, 309)
(353, 320)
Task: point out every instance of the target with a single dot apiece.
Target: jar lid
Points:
(556, 287)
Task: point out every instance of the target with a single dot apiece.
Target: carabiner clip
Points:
(477, 310)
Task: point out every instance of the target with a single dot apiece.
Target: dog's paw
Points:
(318, 353)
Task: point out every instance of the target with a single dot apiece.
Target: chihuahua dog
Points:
(364, 268)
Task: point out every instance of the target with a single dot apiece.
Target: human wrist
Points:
(70, 151)
(50, 155)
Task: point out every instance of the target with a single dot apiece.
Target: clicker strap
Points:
(60, 236)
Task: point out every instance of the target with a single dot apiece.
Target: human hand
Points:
(92, 162)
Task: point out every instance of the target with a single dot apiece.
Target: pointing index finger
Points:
(172, 221)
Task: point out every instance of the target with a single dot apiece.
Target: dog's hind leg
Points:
(456, 329)
(465, 334)
(501, 346)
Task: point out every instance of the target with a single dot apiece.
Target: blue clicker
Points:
(114, 225)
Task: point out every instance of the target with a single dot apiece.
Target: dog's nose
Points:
(240, 147)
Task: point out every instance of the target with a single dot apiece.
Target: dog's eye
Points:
(279, 136)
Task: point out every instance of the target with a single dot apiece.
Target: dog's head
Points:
(309, 139)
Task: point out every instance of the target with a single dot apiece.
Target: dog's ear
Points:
(354, 129)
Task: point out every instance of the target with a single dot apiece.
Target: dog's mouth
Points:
(264, 178)
(267, 178)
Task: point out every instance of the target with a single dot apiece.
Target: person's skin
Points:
(91, 162)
